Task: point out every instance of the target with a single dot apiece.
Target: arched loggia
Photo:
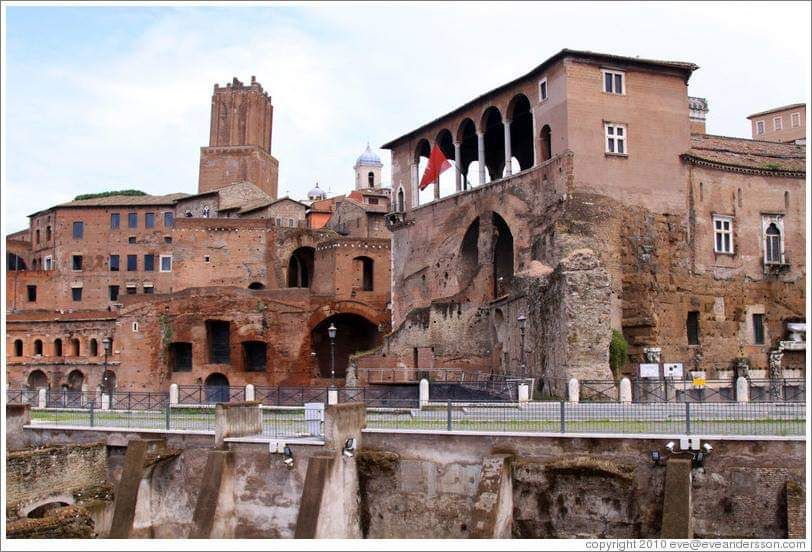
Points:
(421, 161)
(447, 179)
(466, 136)
(520, 116)
(494, 131)
(301, 267)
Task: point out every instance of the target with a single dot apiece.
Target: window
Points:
(135, 326)
(180, 355)
(94, 347)
(149, 289)
(32, 293)
(723, 234)
(76, 293)
(167, 239)
(132, 263)
(149, 263)
(115, 220)
(131, 289)
(373, 201)
(758, 329)
(47, 263)
(114, 263)
(218, 334)
(132, 220)
(255, 354)
(290, 223)
(169, 219)
(206, 258)
(113, 292)
(18, 347)
(371, 179)
(777, 123)
(543, 90)
(166, 263)
(78, 230)
(38, 347)
(76, 262)
(149, 220)
(773, 244)
(616, 138)
(759, 127)
(131, 239)
(692, 326)
(47, 234)
(37, 234)
(613, 82)
(795, 120)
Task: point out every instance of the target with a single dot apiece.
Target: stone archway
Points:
(354, 333)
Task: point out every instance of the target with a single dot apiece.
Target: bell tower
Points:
(240, 134)
(368, 170)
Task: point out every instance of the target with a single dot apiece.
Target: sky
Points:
(103, 98)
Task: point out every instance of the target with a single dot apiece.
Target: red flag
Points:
(437, 164)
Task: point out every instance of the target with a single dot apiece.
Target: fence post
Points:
(449, 415)
(742, 390)
(687, 417)
(424, 392)
(574, 390)
(173, 393)
(625, 391)
(42, 399)
(249, 393)
(563, 416)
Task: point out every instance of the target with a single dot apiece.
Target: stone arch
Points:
(301, 267)
(494, 130)
(469, 253)
(75, 347)
(469, 149)
(217, 388)
(75, 380)
(37, 380)
(502, 256)
(422, 152)
(37, 508)
(256, 285)
(520, 115)
(354, 333)
(445, 142)
(108, 382)
(546, 143)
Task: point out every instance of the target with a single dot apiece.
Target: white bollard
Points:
(173, 393)
(314, 416)
(524, 393)
(574, 390)
(742, 390)
(625, 391)
(424, 392)
(332, 396)
(105, 401)
(249, 393)
(42, 400)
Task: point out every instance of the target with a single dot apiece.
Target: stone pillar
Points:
(249, 392)
(105, 401)
(678, 519)
(424, 392)
(437, 188)
(574, 390)
(742, 390)
(524, 394)
(173, 393)
(415, 193)
(625, 391)
(332, 396)
(508, 149)
(351, 379)
(42, 398)
(458, 166)
(480, 140)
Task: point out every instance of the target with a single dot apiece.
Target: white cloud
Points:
(341, 76)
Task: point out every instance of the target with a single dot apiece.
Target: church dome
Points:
(316, 193)
(369, 158)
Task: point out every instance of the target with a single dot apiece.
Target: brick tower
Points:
(239, 147)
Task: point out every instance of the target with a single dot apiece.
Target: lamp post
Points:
(332, 333)
(107, 343)
(522, 320)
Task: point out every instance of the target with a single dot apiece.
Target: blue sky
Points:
(109, 98)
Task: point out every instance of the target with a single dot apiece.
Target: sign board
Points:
(672, 370)
(699, 382)
(650, 370)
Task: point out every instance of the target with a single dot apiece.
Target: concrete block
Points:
(424, 392)
(173, 393)
(742, 390)
(249, 392)
(625, 391)
(574, 390)
(492, 516)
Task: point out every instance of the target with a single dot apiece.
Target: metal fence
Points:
(598, 417)
(209, 394)
(22, 396)
(290, 396)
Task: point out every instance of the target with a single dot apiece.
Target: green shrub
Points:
(110, 193)
(618, 349)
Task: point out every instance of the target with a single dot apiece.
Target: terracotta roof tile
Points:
(750, 154)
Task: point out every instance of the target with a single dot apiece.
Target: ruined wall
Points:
(424, 486)
(223, 166)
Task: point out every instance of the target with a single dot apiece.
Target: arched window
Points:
(521, 131)
(494, 130)
(74, 347)
(38, 347)
(300, 267)
(57, 347)
(502, 256)
(546, 143)
(371, 179)
(772, 245)
(94, 347)
(37, 380)
(75, 380)
(401, 201)
(364, 267)
(256, 285)
(18, 347)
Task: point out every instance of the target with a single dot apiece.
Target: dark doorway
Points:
(37, 380)
(354, 333)
(300, 267)
(255, 355)
(217, 388)
(180, 356)
(546, 143)
(218, 333)
(502, 256)
(108, 382)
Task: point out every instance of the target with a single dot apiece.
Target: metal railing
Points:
(22, 396)
(598, 417)
(208, 394)
(290, 396)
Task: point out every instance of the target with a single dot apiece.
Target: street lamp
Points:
(332, 333)
(107, 343)
(522, 320)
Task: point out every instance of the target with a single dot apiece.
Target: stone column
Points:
(173, 393)
(574, 391)
(415, 193)
(249, 393)
(424, 392)
(480, 139)
(437, 188)
(508, 149)
(625, 391)
(458, 166)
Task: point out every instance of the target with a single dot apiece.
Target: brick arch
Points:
(345, 307)
(30, 507)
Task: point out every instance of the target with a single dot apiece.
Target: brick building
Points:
(780, 124)
(231, 285)
(589, 199)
